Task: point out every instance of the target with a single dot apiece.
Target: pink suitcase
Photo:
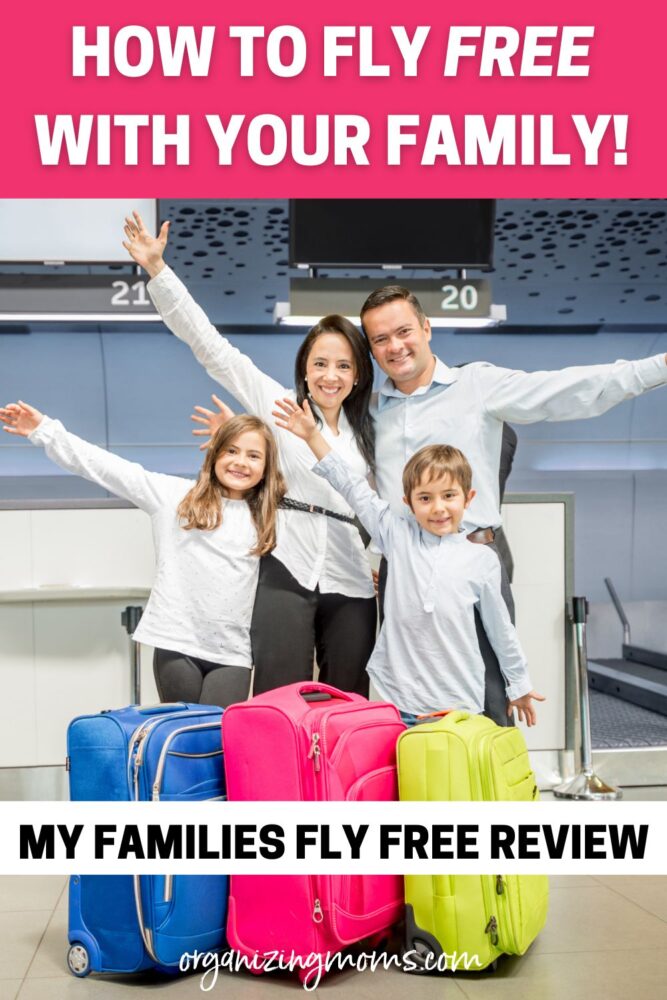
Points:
(310, 742)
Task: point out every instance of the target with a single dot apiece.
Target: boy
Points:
(427, 656)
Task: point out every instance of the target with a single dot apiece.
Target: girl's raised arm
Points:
(20, 418)
(148, 490)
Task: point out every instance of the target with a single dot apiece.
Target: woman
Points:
(315, 591)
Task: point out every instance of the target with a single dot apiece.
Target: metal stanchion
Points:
(586, 784)
(130, 618)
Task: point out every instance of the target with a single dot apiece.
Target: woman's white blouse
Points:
(317, 550)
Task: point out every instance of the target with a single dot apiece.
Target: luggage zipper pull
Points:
(492, 929)
(318, 916)
(140, 739)
(500, 885)
(314, 752)
(138, 761)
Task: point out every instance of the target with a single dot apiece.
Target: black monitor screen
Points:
(441, 232)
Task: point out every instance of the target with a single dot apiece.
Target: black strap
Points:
(289, 503)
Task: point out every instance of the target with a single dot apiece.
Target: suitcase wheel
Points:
(420, 953)
(78, 960)
(423, 948)
(305, 975)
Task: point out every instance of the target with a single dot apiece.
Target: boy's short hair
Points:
(433, 462)
(389, 293)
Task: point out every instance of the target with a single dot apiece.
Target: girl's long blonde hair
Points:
(201, 507)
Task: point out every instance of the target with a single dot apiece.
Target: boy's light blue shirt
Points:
(427, 656)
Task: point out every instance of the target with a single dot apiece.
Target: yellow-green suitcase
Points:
(465, 922)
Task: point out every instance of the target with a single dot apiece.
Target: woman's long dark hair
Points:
(356, 406)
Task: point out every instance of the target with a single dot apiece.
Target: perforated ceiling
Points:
(556, 262)
(591, 263)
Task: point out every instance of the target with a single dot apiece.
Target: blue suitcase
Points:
(125, 923)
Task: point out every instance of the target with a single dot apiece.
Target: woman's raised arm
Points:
(144, 248)
(233, 370)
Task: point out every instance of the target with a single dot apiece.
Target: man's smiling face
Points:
(400, 343)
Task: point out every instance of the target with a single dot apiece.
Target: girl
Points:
(317, 583)
(208, 538)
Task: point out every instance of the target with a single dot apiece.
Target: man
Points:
(507, 452)
(424, 402)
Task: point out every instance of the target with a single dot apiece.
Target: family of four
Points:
(260, 561)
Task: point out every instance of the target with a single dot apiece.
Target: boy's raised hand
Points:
(297, 419)
(20, 418)
(211, 421)
(147, 250)
(300, 421)
(525, 708)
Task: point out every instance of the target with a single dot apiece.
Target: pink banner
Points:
(298, 99)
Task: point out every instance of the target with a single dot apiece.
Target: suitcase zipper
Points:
(159, 771)
(364, 725)
(492, 929)
(145, 931)
(159, 774)
(502, 886)
(136, 747)
(317, 746)
(138, 741)
(346, 736)
(484, 792)
(314, 754)
(315, 751)
(510, 942)
(331, 759)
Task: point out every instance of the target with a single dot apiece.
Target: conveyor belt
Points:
(618, 724)
(637, 683)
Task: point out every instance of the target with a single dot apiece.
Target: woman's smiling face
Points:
(330, 371)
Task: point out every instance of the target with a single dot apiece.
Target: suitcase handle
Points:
(324, 689)
(436, 715)
(460, 715)
(163, 707)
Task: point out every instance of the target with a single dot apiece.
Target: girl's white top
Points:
(205, 581)
(316, 549)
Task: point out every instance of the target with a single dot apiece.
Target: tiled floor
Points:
(605, 939)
